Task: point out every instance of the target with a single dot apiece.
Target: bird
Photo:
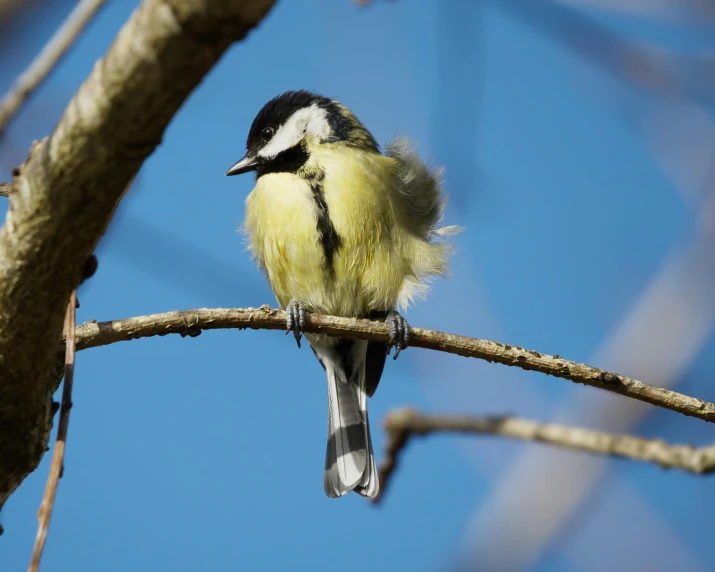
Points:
(340, 228)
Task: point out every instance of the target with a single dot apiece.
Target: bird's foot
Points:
(399, 333)
(296, 318)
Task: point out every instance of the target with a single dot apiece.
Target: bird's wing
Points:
(419, 190)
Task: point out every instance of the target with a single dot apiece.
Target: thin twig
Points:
(192, 322)
(403, 424)
(47, 59)
(58, 455)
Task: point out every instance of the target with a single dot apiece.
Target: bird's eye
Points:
(267, 134)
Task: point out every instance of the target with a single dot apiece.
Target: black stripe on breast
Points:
(328, 236)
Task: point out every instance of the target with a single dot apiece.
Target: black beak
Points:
(248, 163)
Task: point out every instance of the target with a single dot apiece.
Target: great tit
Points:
(341, 229)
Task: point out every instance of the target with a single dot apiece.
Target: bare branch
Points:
(58, 456)
(192, 322)
(403, 424)
(47, 59)
(66, 192)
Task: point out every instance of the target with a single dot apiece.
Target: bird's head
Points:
(290, 126)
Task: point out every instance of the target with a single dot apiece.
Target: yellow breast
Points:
(282, 225)
(282, 221)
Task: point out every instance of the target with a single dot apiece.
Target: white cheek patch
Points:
(313, 120)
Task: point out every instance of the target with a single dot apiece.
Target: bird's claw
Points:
(296, 319)
(399, 333)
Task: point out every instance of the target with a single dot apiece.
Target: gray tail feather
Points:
(349, 461)
(369, 486)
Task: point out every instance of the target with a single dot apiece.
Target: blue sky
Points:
(207, 453)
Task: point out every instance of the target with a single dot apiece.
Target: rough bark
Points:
(66, 192)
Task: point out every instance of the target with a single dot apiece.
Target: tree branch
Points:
(47, 59)
(66, 192)
(192, 322)
(58, 455)
(403, 424)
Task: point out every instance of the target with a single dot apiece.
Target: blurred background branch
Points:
(644, 65)
(9, 7)
(47, 59)
(403, 424)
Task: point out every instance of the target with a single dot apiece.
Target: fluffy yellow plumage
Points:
(379, 265)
